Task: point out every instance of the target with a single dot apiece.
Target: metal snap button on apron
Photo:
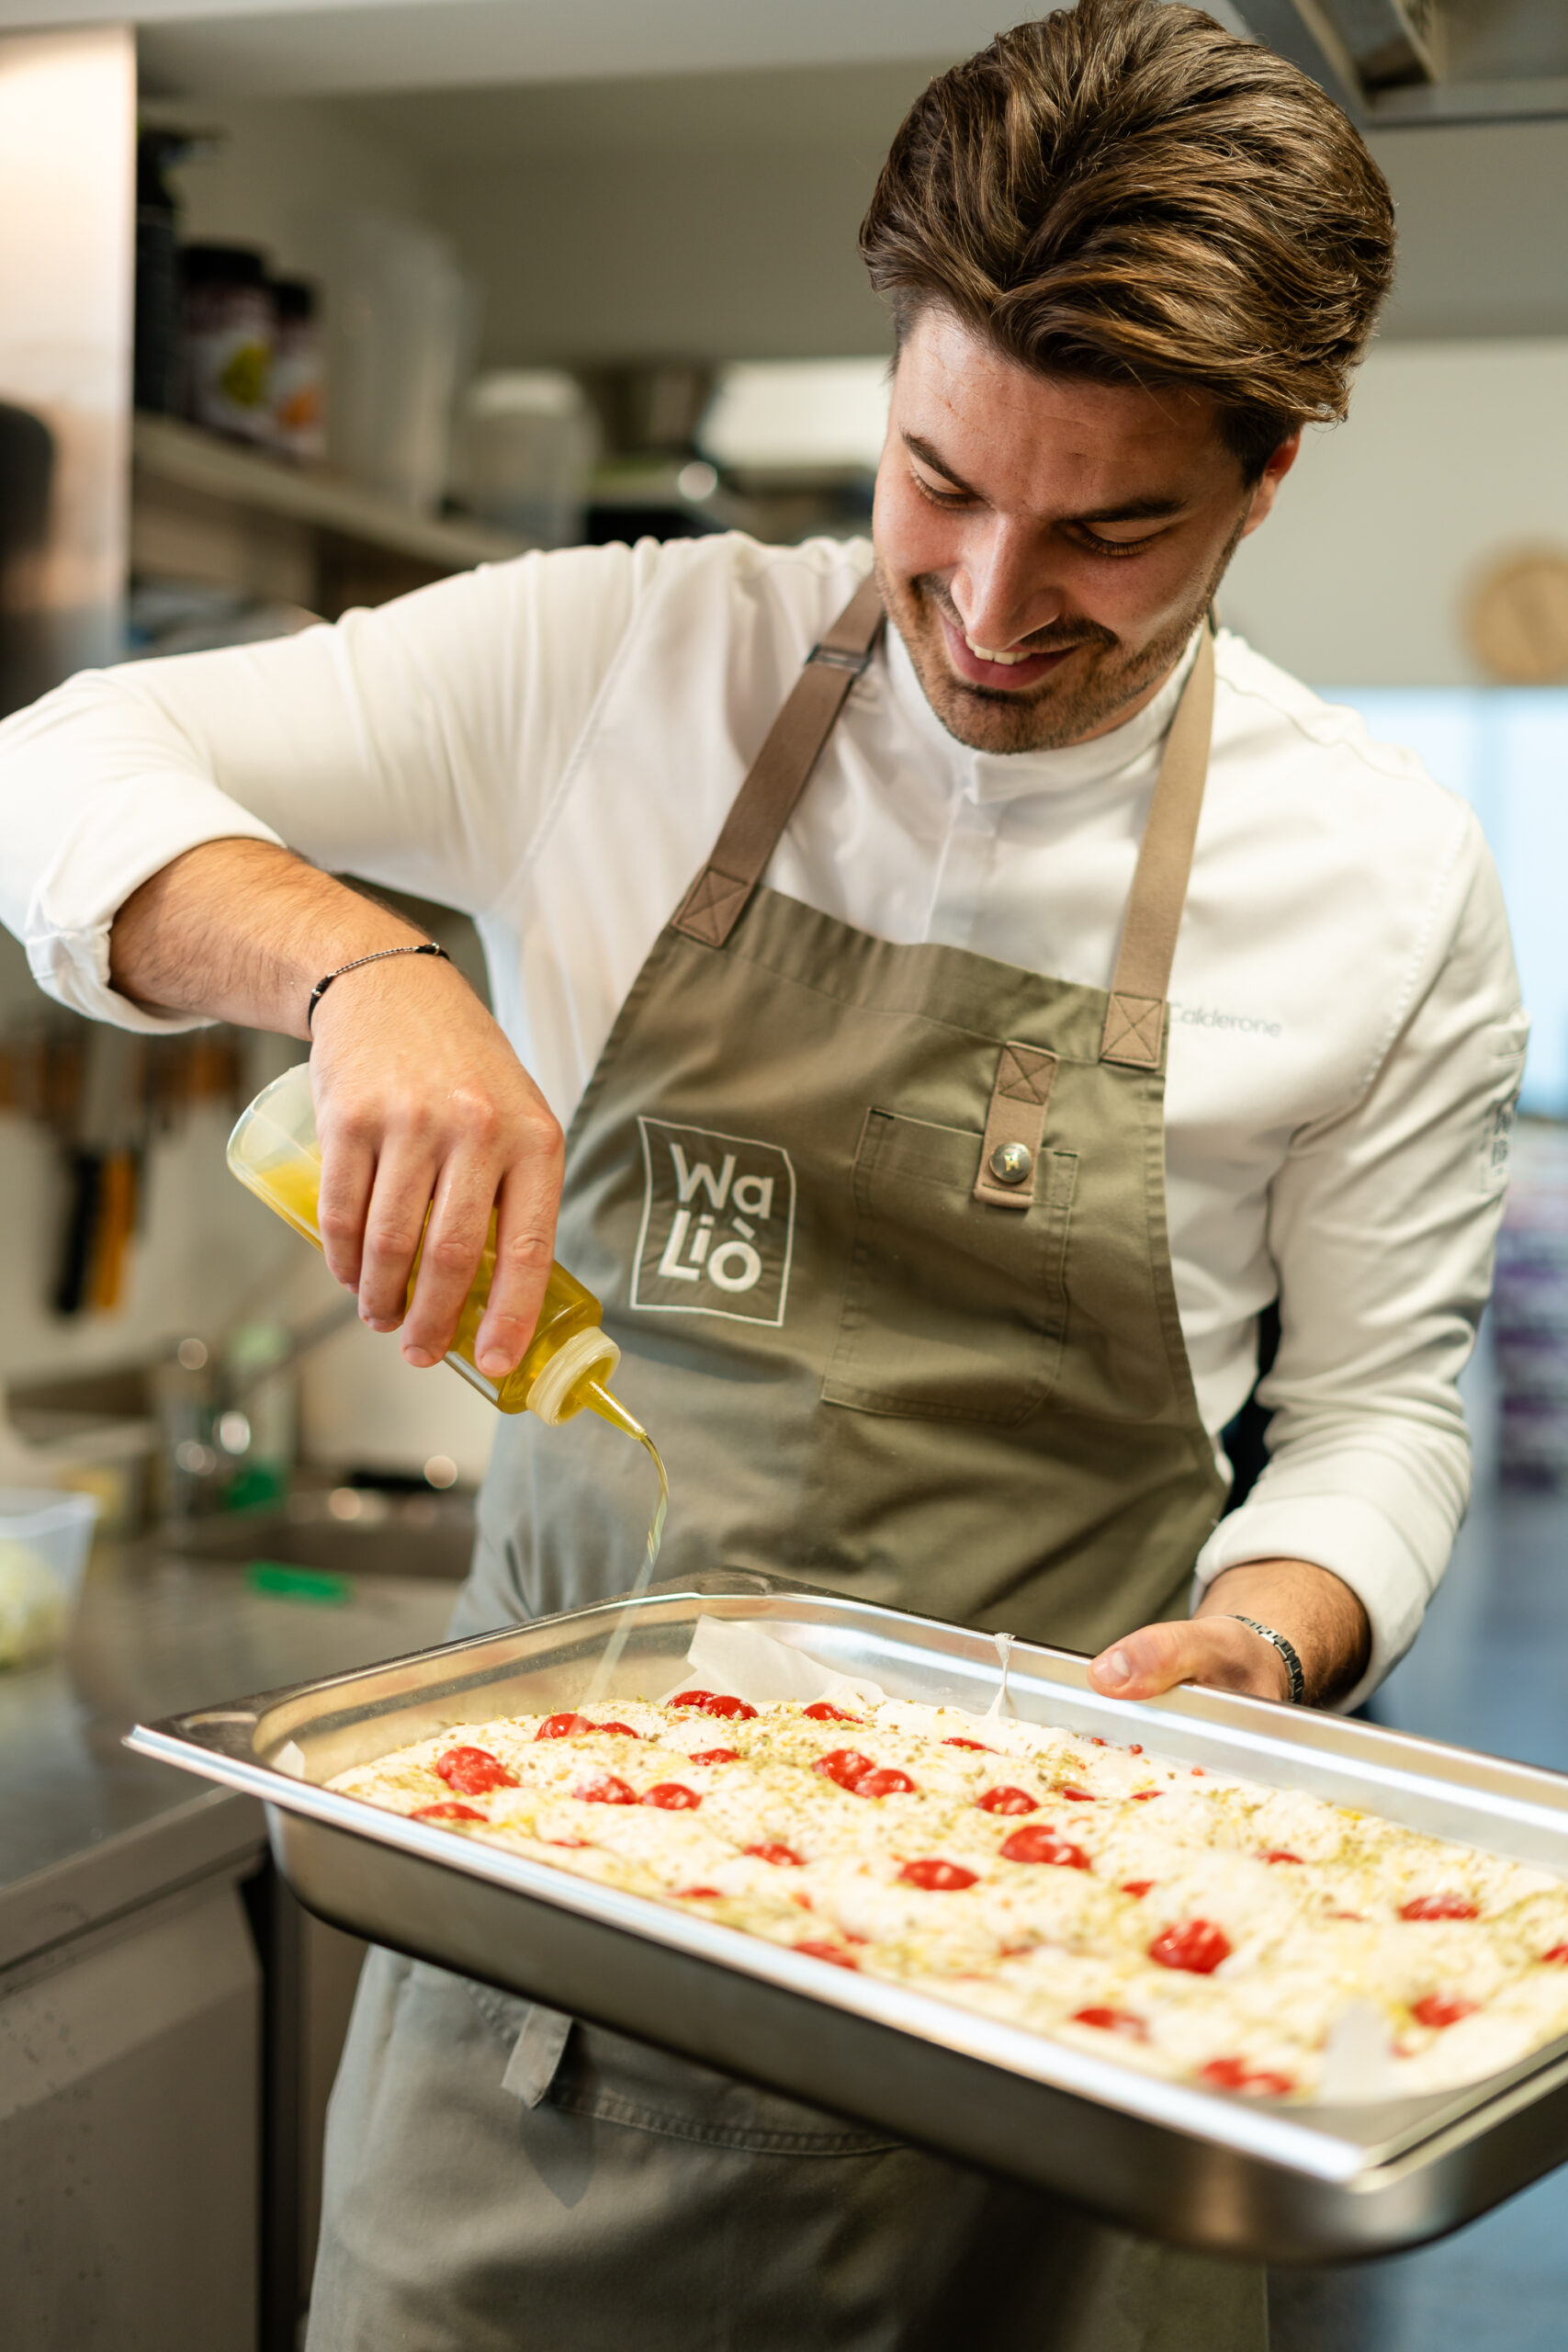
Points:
(1010, 1164)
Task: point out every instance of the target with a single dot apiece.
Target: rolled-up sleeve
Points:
(415, 746)
(1382, 1227)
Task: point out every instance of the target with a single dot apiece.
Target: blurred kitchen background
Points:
(302, 308)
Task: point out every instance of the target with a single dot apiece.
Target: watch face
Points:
(1517, 619)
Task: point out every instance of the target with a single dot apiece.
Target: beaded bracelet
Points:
(425, 947)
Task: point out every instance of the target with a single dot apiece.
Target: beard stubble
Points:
(1055, 713)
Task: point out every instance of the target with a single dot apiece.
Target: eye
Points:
(1114, 548)
(935, 497)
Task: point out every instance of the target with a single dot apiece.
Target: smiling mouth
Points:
(1000, 668)
(986, 653)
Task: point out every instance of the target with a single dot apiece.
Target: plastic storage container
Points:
(44, 1539)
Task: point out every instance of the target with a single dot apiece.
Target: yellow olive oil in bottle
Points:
(274, 1153)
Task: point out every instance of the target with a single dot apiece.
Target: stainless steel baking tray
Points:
(1285, 2183)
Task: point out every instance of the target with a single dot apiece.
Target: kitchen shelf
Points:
(208, 510)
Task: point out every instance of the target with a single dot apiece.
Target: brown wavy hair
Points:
(1129, 192)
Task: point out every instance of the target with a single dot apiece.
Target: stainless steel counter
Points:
(156, 1634)
(169, 2019)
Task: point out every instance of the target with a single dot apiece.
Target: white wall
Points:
(1453, 453)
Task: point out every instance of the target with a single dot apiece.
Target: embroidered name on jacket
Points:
(717, 1224)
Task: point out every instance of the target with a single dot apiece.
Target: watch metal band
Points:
(1287, 1651)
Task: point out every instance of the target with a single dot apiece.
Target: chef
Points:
(946, 990)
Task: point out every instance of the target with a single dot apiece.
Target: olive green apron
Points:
(871, 1360)
(880, 1230)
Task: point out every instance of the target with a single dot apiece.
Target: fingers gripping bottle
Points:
(275, 1152)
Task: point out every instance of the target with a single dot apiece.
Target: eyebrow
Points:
(1130, 510)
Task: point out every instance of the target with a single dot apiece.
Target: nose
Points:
(1002, 590)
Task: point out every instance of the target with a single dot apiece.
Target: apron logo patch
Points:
(717, 1224)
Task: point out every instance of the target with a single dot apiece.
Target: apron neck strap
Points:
(718, 899)
(1135, 1018)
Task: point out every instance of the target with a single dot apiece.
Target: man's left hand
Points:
(1316, 1613)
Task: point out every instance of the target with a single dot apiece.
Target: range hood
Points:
(1393, 61)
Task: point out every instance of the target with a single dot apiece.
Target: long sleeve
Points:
(416, 746)
(1382, 1224)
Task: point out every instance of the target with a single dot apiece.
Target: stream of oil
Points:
(601, 1402)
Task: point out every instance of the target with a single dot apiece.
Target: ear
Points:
(1267, 488)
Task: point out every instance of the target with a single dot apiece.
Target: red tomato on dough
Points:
(1439, 1906)
(1037, 1843)
(939, 1878)
(1195, 1945)
(471, 1771)
(708, 1702)
(446, 1813)
(1007, 1801)
(672, 1796)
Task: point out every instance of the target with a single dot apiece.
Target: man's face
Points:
(1046, 545)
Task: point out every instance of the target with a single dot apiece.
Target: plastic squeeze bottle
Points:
(275, 1152)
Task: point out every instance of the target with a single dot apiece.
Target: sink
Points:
(348, 1531)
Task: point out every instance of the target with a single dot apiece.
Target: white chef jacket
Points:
(552, 744)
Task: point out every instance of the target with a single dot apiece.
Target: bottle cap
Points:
(587, 1354)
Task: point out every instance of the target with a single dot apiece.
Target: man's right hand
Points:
(421, 1107)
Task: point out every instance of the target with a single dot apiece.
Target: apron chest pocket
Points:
(954, 1310)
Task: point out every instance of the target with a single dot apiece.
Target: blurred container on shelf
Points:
(229, 330)
(398, 333)
(525, 445)
(44, 1541)
(1529, 1310)
(157, 367)
(801, 415)
(297, 401)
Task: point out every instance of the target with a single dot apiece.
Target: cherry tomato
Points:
(939, 1878)
(1278, 1854)
(844, 1765)
(1236, 2074)
(1142, 1796)
(1438, 1907)
(1077, 1796)
(1095, 1741)
(566, 1726)
(717, 1756)
(1007, 1801)
(1113, 2021)
(623, 1731)
(580, 1843)
(708, 1702)
(822, 1711)
(471, 1771)
(1442, 2008)
(672, 1796)
(835, 1953)
(707, 1893)
(605, 1790)
(1195, 1945)
(1138, 1886)
(1136, 1748)
(978, 1745)
(784, 1857)
(1558, 1955)
(446, 1813)
(1036, 1843)
(885, 1783)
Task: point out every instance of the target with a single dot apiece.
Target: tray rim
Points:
(217, 1742)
